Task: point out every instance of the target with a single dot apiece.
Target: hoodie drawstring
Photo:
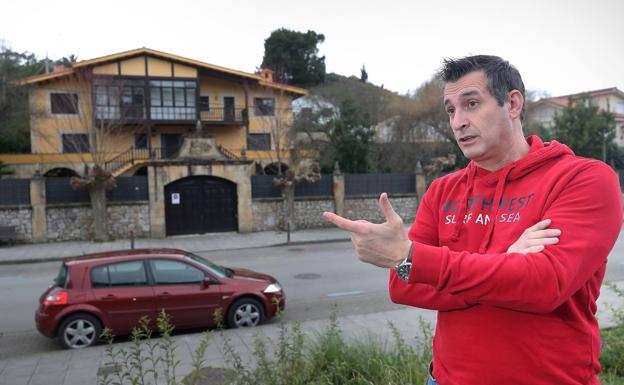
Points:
(498, 194)
(464, 202)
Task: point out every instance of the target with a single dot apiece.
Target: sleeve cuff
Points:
(426, 264)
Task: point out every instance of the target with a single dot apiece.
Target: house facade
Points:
(196, 130)
(608, 99)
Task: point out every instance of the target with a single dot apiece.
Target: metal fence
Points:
(14, 191)
(323, 187)
(375, 184)
(355, 185)
(129, 188)
(262, 187)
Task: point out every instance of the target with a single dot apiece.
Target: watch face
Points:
(403, 270)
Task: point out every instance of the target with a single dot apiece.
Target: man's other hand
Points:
(383, 245)
(535, 238)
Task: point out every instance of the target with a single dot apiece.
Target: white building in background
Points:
(608, 99)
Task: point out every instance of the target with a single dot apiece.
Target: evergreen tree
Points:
(363, 74)
(293, 57)
(586, 130)
(351, 139)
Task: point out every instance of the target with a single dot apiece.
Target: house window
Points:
(204, 103)
(173, 100)
(140, 141)
(62, 103)
(119, 98)
(264, 106)
(259, 142)
(75, 143)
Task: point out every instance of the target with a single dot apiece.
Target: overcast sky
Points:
(559, 47)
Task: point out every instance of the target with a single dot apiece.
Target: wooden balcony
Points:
(224, 115)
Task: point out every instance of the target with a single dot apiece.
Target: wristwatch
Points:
(403, 268)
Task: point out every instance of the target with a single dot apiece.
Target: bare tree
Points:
(89, 119)
(276, 117)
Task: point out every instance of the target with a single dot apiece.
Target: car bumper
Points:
(275, 302)
(44, 323)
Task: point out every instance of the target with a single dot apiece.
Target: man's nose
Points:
(459, 121)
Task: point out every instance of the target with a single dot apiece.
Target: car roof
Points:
(127, 254)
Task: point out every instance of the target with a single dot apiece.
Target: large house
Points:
(608, 99)
(146, 99)
(197, 130)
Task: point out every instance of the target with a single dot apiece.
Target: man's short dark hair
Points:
(502, 76)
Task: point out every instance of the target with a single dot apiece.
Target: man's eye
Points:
(450, 111)
(472, 103)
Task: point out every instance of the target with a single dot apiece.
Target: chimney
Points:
(266, 74)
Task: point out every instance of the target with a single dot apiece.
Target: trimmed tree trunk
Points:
(97, 194)
(288, 193)
(97, 181)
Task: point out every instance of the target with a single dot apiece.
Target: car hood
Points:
(252, 275)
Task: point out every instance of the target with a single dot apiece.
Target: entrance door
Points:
(200, 204)
(171, 144)
(228, 109)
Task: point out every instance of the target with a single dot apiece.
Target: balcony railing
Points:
(215, 115)
(224, 115)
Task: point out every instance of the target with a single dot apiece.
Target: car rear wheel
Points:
(79, 331)
(245, 312)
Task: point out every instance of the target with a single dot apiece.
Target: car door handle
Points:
(109, 297)
(164, 294)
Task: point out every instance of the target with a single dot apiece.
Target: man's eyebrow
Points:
(470, 93)
(464, 95)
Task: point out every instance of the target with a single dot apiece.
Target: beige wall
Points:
(217, 89)
(46, 128)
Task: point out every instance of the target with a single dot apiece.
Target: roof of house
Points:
(159, 54)
(562, 101)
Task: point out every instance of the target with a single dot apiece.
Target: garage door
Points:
(200, 204)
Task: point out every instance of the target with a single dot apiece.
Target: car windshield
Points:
(217, 270)
(61, 278)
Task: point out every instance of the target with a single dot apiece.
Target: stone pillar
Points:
(243, 195)
(421, 181)
(338, 190)
(38, 204)
(156, 202)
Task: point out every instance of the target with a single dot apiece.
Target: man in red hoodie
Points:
(511, 250)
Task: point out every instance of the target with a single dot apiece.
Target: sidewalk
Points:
(29, 253)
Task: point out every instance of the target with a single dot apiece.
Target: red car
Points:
(115, 289)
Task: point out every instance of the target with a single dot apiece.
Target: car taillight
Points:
(59, 298)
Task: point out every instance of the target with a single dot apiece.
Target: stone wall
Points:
(68, 223)
(20, 218)
(267, 213)
(368, 208)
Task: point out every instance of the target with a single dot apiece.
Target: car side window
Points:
(167, 272)
(119, 274)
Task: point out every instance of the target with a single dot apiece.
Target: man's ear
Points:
(516, 102)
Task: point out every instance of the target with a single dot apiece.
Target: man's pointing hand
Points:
(383, 245)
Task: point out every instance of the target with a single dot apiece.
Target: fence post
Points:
(338, 190)
(421, 183)
(38, 206)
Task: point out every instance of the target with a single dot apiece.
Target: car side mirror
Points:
(206, 282)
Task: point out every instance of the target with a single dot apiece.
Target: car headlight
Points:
(273, 288)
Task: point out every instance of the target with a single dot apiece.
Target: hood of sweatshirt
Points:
(539, 153)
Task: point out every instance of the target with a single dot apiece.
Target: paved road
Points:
(314, 277)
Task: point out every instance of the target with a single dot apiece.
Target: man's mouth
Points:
(466, 138)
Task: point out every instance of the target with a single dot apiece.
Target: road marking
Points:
(346, 293)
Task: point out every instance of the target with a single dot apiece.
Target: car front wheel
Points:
(245, 312)
(79, 331)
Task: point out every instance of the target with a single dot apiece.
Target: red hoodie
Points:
(510, 318)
